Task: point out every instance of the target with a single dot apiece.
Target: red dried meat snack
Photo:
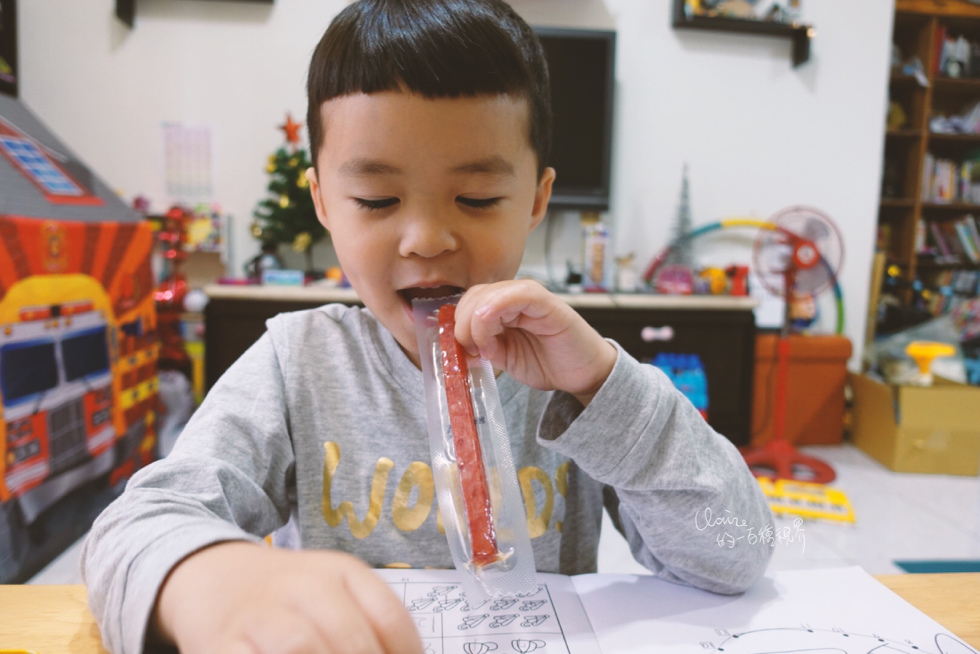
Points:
(469, 457)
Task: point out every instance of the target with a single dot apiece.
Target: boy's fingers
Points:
(522, 305)
(341, 625)
(285, 631)
(471, 300)
(390, 620)
(236, 646)
(269, 629)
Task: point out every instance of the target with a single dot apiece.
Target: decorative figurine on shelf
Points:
(204, 232)
(736, 9)
(739, 284)
(896, 117)
(335, 277)
(793, 12)
(803, 311)
(712, 281)
(683, 252)
(595, 242)
(573, 278)
(268, 259)
(142, 205)
(287, 216)
(676, 277)
(626, 279)
(170, 292)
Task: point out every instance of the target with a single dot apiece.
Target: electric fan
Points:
(801, 255)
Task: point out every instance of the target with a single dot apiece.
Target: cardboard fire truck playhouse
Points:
(78, 346)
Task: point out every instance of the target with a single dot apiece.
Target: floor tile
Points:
(898, 516)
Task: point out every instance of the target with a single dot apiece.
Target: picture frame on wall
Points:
(8, 47)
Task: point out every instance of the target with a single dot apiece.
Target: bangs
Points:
(426, 49)
(434, 48)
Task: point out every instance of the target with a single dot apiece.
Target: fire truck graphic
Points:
(78, 387)
(61, 415)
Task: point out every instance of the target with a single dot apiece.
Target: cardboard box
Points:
(814, 389)
(931, 429)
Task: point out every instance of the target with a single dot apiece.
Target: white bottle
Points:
(595, 238)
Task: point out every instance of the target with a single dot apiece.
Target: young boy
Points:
(429, 123)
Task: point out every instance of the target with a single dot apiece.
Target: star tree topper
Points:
(291, 130)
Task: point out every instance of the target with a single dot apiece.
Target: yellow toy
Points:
(806, 499)
(716, 280)
(923, 352)
(335, 275)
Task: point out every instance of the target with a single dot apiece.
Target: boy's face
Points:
(426, 197)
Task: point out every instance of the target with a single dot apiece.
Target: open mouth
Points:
(428, 293)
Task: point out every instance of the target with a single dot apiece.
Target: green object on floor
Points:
(927, 567)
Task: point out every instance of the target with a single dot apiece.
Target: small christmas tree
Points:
(287, 216)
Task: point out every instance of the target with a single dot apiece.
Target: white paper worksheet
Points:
(550, 621)
(831, 611)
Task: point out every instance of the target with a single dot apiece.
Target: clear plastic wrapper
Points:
(476, 483)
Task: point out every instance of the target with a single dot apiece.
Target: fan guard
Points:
(805, 248)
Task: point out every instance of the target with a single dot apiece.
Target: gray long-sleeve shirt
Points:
(321, 425)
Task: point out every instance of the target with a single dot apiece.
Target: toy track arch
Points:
(657, 261)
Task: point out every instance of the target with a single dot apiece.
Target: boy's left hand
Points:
(536, 337)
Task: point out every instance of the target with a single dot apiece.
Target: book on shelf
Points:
(945, 181)
(964, 283)
(948, 289)
(966, 240)
(884, 238)
(954, 241)
(920, 236)
(943, 250)
(939, 50)
(973, 227)
(956, 248)
(928, 167)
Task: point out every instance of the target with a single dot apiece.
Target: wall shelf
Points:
(126, 10)
(800, 35)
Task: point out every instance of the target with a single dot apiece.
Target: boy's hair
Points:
(435, 48)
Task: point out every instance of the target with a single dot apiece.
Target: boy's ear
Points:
(541, 197)
(321, 214)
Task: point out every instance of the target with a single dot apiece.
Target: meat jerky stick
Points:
(469, 457)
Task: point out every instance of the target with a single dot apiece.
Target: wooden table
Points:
(56, 620)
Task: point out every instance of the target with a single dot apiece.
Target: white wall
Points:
(106, 89)
(757, 134)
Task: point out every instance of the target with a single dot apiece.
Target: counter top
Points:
(56, 619)
(324, 294)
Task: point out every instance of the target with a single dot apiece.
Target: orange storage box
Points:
(814, 389)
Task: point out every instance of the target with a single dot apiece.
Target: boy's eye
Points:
(478, 203)
(376, 205)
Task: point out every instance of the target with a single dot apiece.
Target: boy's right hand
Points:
(238, 597)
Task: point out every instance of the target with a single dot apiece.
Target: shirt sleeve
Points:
(236, 446)
(682, 494)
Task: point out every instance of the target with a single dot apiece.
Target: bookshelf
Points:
(929, 214)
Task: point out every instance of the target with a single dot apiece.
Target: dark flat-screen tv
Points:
(8, 47)
(581, 64)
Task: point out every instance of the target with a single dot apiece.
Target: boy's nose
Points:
(427, 237)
